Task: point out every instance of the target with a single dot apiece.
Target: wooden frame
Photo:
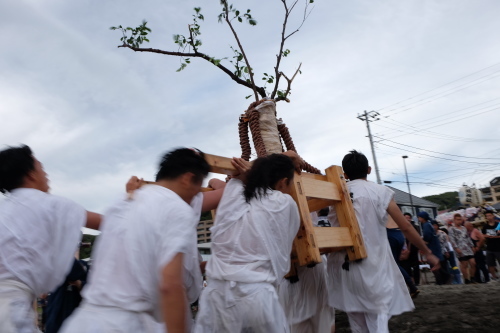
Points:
(312, 192)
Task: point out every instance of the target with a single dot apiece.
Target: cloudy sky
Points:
(95, 114)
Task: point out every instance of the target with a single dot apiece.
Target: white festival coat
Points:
(39, 233)
(251, 246)
(139, 238)
(306, 301)
(374, 284)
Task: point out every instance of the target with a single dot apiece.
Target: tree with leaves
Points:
(267, 131)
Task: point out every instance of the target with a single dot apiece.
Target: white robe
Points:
(374, 285)
(251, 246)
(39, 233)
(139, 238)
(306, 301)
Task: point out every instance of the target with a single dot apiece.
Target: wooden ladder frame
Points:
(313, 192)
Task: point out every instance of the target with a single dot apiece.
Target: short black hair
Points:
(489, 212)
(408, 214)
(355, 165)
(15, 164)
(182, 160)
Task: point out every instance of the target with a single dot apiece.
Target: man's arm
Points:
(93, 220)
(173, 296)
(411, 234)
(211, 198)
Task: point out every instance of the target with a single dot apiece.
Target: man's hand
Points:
(433, 262)
(242, 167)
(77, 284)
(298, 162)
(459, 252)
(133, 184)
(404, 254)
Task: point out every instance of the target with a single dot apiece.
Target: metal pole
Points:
(364, 117)
(408, 183)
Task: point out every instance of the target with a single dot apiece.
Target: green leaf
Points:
(183, 65)
(247, 97)
(240, 19)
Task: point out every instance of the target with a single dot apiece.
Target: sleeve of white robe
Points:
(232, 205)
(179, 240)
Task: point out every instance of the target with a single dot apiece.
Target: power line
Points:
(441, 158)
(434, 119)
(446, 93)
(478, 158)
(449, 122)
(420, 94)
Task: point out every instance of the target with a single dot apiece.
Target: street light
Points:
(408, 183)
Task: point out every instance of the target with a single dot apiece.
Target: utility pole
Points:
(408, 183)
(369, 117)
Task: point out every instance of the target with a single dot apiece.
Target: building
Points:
(492, 194)
(420, 205)
(205, 250)
(203, 231)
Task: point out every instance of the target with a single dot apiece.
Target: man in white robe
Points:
(372, 290)
(251, 246)
(39, 233)
(306, 301)
(146, 269)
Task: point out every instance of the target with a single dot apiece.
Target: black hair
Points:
(355, 165)
(265, 173)
(324, 211)
(182, 160)
(408, 214)
(489, 212)
(15, 164)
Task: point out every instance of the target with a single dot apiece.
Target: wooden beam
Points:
(313, 176)
(220, 164)
(332, 237)
(317, 204)
(304, 243)
(345, 213)
(320, 189)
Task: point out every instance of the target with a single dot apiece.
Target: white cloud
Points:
(95, 113)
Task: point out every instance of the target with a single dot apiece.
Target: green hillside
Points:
(445, 200)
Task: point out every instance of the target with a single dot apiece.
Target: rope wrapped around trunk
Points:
(251, 119)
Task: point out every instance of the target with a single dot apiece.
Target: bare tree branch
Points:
(261, 91)
(250, 72)
(279, 56)
(192, 39)
(282, 44)
(289, 87)
(306, 15)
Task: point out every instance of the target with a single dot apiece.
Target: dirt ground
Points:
(450, 308)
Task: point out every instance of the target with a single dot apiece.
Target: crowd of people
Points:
(147, 271)
(467, 254)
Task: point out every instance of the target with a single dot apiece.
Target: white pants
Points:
(321, 322)
(88, 318)
(364, 322)
(232, 307)
(16, 308)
